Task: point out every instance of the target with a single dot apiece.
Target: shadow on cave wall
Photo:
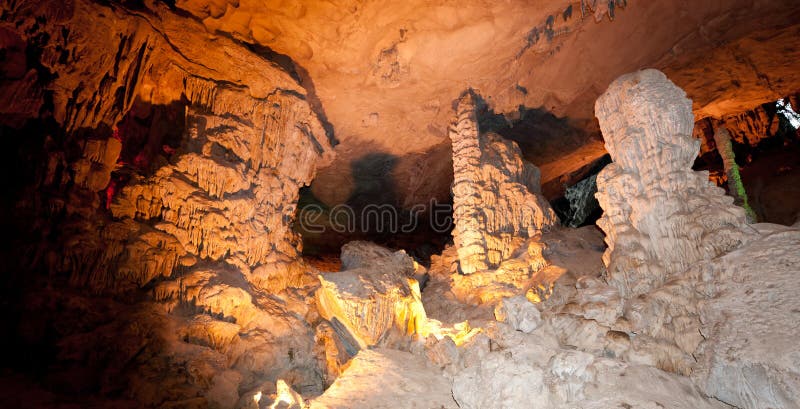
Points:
(377, 209)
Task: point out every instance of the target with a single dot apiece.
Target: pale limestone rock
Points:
(519, 313)
(750, 356)
(532, 371)
(287, 398)
(500, 382)
(364, 254)
(377, 302)
(496, 195)
(385, 378)
(659, 217)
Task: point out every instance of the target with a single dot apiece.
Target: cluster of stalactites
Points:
(659, 215)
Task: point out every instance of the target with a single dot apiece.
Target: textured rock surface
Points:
(496, 196)
(659, 216)
(385, 378)
(519, 313)
(750, 357)
(531, 371)
(377, 67)
(375, 298)
(169, 178)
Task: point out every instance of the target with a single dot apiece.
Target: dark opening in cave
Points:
(766, 144)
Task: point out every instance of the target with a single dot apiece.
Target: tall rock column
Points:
(722, 138)
(659, 216)
(469, 218)
(496, 196)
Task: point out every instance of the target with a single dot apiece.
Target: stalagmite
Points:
(659, 216)
(496, 198)
(722, 139)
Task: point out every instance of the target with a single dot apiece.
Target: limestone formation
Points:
(385, 378)
(748, 357)
(519, 313)
(496, 198)
(722, 139)
(582, 202)
(157, 150)
(375, 299)
(530, 371)
(170, 182)
(659, 217)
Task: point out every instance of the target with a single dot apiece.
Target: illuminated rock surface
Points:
(496, 195)
(156, 152)
(385, 378)
(375, 297)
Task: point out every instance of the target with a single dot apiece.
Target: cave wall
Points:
(154, 174)
(224, 192)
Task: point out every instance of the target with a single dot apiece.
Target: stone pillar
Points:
(496, 199)
(722, 138)
(659, 216)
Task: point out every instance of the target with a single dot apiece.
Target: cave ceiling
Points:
(383, 75)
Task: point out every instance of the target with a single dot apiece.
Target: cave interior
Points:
(376, 204)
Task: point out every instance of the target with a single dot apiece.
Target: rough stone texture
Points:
(749, 358)
(385, 378)
(377, 68)
(225, 193)
(746, 128)
(659, 216)
(169, 178)
(582, 202)
(519, 313)
(722, 138)
(375, 298)
(496, 196)
(532, 371)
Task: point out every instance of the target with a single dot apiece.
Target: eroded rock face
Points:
(660, 217)
(385, 378)
(199, 213)
(375, 298)
(749, 358)
(496, 197)
(532, 371)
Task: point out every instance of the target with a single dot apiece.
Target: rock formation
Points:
(156, 150)
(748, 357)
(190, 234)
(496, 197)
(375, 298)
(722, 139)
(659, 216)
(385, 378)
